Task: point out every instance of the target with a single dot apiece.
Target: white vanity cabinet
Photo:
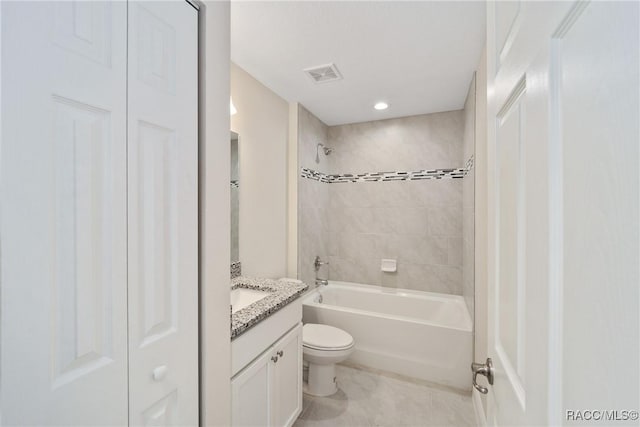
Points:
(287, 379)
(268, 391)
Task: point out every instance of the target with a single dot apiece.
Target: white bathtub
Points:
(416, 334)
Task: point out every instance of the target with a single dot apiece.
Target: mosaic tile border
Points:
(469, 165)
(388, 176)
(235, 183)
(236, 269)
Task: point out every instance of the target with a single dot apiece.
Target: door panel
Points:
(510, 292)
(597, 74)
(562, 137)
(507, 22)
(63, 219)
(162, 173)
(83, 322)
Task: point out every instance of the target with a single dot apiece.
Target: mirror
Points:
(235, 200)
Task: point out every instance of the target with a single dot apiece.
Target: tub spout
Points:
(322, 282)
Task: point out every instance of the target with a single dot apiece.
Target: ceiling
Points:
(419, 57)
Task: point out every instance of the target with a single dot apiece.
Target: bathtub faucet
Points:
(321, 282)
(317, 263)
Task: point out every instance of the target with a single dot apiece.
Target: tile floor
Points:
(371, 399)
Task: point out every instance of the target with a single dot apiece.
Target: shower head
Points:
(326, 151)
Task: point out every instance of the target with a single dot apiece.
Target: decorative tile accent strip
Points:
(281, 293)
(317, 176)
(236, 269)
(387, 176)
(469, 165)
(235, 183)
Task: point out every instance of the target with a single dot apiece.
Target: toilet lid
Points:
(325, 336)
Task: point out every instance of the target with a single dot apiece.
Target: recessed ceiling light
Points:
(381, 106)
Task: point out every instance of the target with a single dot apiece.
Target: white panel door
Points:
(63, 219)
(163, 213)
(563, 196)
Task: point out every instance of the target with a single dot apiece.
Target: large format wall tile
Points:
(357, 224)
(418, 223)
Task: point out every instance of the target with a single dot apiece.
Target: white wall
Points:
(292, 189)
(262, 122)
(214, 156)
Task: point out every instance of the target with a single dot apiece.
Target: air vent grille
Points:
(324, 73)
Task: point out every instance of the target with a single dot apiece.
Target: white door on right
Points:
(563, 111)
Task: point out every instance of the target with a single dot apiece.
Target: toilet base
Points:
(322, 380)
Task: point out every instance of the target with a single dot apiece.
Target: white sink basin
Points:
(242, 297)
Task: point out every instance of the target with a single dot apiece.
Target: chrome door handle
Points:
(485, 369)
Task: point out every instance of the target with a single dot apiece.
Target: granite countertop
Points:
(282, 292)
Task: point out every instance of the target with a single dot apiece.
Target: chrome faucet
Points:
(317, 263)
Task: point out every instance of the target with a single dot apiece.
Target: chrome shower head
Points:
(326, 151)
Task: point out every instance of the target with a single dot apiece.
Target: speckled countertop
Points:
(282, 292)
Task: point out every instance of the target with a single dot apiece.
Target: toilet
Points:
(322, 347)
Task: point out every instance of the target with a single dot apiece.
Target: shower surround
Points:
(390, 189)
(313, 197)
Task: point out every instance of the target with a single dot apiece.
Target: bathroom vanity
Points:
(266, 352)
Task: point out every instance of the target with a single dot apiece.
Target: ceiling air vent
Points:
(324, 73)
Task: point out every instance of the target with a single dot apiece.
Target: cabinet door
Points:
(163, 213)
(251, 393)
(287, 378)
(63, 213)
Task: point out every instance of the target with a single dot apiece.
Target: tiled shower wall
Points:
(356, 224)
(313, 198)
(418, 223)
(468, 200)
(425, 224)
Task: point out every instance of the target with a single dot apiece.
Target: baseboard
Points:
(481, 419)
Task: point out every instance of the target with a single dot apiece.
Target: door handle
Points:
(485, 369)
(160, 372)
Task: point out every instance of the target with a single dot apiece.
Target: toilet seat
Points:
(325, 338)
